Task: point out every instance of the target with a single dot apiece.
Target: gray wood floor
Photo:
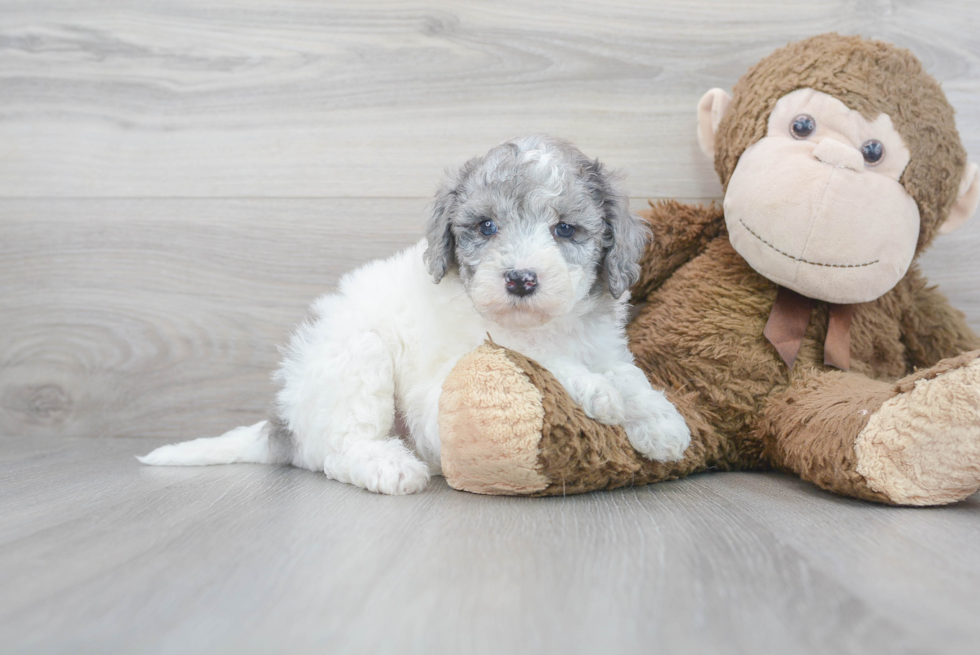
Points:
(99, 555)
(178, 180)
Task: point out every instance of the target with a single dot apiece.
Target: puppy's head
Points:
(534, 228)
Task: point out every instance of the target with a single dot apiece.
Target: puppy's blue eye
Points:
(564, 230)
(488, 228)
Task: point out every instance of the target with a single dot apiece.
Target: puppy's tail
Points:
(249, 443)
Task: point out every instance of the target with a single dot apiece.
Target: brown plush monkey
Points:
(793, 330)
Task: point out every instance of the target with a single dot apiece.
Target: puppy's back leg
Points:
(346, 398)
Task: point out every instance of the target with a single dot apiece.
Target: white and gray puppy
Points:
(532, 243)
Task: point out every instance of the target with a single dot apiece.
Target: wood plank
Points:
(99, 554)
(162, 317)
(951, 263)
(298, 99)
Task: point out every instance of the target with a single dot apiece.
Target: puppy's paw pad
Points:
(661, 434)
(393, 478)
(382, 467)
(601, 401)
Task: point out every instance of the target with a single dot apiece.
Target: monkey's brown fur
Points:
(870, 77)
(702, 309)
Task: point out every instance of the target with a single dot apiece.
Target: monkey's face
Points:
(816, 205)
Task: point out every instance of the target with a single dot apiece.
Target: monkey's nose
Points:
(521, 282)
(835, 153)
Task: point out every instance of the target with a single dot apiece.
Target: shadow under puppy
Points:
(532, 244)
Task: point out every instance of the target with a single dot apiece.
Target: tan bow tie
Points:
(787, 324)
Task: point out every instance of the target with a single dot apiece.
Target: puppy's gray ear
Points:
(440, 253)
(626, 234)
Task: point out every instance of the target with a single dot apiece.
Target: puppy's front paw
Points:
(384, 467)
(599, 399)
(657, 430)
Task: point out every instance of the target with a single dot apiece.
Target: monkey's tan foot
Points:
(508, 427)
(922, 447)
(490, 422)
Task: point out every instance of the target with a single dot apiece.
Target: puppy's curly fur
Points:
(532, 243)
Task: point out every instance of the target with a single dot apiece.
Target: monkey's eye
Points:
(564, 230)
(873, 152)
(802, 126)
(488, 228)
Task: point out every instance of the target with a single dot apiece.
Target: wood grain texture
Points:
(169, 98)
(124, 318)
(99, 554)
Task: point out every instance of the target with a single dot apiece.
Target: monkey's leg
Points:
(508, 427)
(913, 442)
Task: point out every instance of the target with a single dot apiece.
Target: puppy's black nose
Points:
(521, 282)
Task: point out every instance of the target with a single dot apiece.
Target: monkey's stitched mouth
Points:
(800, 259)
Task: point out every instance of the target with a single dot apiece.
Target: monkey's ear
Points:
(966, 203)
(711, 109)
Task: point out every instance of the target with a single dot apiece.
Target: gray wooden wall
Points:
(179, 179)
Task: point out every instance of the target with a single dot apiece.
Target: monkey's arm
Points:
(932, 328)
(680, 232)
